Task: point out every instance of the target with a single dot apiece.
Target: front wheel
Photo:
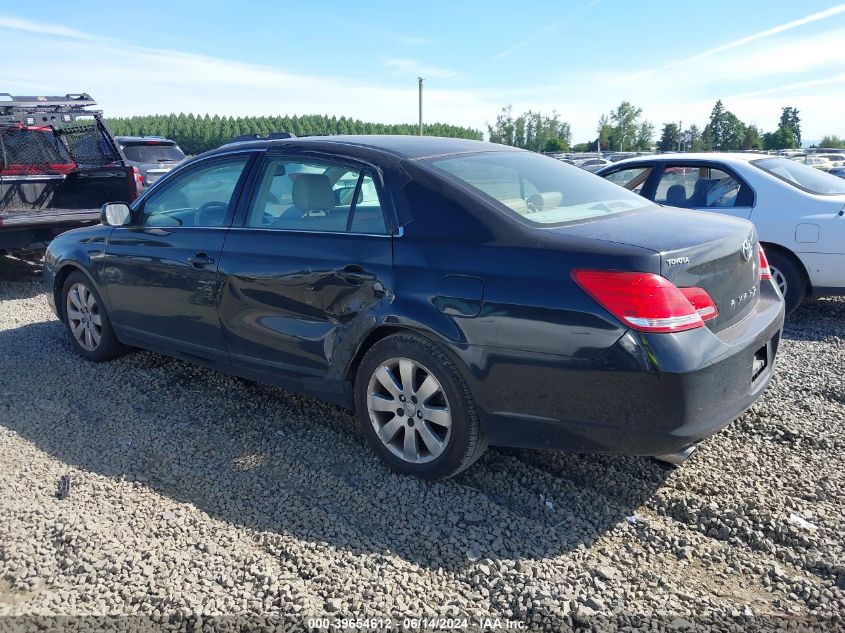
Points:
(415, 409)
(788, 278)
(87, 322)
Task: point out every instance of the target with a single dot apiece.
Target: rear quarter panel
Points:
(807, 225)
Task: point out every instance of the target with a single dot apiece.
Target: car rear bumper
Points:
(650, 394)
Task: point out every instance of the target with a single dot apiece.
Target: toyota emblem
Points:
(747, 250)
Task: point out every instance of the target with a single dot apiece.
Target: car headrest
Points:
(545, 200)
(312, 192)
(676, 195)
(702, 185)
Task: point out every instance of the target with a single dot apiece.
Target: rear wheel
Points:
(87, 322)
(415, 409)
(788, 278)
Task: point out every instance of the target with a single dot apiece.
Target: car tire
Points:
(788, 277)
(407, 387)
(87, 321)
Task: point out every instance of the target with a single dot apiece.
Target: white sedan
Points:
(799, 211)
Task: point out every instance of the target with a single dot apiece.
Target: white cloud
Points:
(508, 51)
(413, 68)
(815, 17)
(128, 79)
(22, 24)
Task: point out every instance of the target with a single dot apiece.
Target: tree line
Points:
(199, 133)
(624, 129)
(726, 132)
(530, 130)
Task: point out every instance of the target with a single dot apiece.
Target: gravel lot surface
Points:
(193, 493)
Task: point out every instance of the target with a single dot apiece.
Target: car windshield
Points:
(802, 176)
(541, 190)
(153, 153)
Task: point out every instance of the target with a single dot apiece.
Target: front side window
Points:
(632, 179)
(298, 196)
(801, 176)
(200, 197)
(539, 189)
(700, 187)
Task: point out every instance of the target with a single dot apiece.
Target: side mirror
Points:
(115, 214)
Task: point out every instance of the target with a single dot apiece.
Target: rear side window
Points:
(313, 196)
(539, 189)
(701, 187)
(802, 176)
(632, 179)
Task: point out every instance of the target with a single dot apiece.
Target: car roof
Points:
(400, 146)
(722, 157)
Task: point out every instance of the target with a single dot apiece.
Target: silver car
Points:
(154, 156)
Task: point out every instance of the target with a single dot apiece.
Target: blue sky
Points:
(581, 58)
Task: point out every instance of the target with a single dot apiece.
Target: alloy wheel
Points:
(409, 410)
(779, 279)
(83, 315)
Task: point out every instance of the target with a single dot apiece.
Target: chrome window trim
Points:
(308, 232)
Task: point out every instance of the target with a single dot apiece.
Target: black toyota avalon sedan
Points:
(454, 293)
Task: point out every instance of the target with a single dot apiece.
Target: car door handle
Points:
(200, 260)
(355, 275)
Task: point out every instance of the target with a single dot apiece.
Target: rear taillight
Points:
(646, 301)
(136, 182)
(701, 301)
(765, 273)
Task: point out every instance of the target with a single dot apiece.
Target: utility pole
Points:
(680, 132)
(420, 80)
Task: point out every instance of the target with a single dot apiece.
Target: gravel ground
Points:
(196, 494)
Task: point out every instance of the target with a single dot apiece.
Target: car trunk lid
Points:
(714, 252)
(728, 269)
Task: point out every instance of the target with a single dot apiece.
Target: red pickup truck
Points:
(59, 163)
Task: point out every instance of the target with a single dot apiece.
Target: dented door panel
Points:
(291, 301)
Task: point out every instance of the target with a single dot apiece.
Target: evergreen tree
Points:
(726, 130)
(669, 138)
(692, 139)
(624, 118)
(790, 120)
(751, 139)
(604, 131)
(645, 136)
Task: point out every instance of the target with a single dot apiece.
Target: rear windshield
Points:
(802, 176)
(153, 153)
(539, 189)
